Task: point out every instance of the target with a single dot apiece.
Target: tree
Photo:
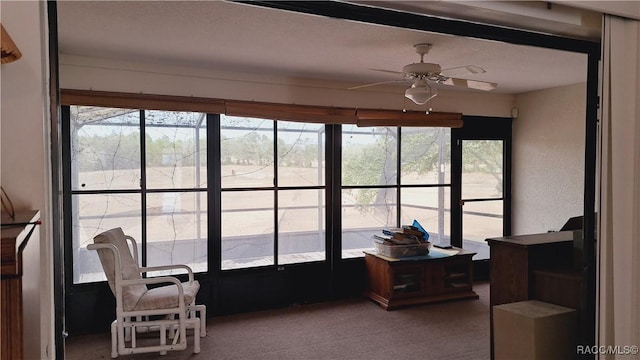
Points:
(423, 150)
(484, 156)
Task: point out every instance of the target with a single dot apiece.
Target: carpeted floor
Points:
(347, 329)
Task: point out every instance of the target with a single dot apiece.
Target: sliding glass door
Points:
(482, 164)
(482, 191)
(143, 171)
(270, 209)
(272, 192)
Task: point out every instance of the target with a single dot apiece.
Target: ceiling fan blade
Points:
(462, 70)
(471, 84)
(374, 84)
(389, 71)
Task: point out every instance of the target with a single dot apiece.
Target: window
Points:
(482, 194)
(254, 196)
(482, 184)
(272, 191)
(390, 177)
(143, 171)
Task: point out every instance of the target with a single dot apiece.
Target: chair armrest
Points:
(102, 246)
(168, 267)
(157, 280)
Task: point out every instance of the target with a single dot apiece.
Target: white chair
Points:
(168, 310)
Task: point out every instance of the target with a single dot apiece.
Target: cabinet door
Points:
(457, 275)
(407, 281)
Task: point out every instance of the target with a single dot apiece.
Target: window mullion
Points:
(334, 195)
(398, 173)
(143, 188)
(214, 195)
(275, 193)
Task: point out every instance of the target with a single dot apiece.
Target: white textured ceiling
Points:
(242, 38)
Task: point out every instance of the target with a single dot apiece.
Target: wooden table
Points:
(395, 283)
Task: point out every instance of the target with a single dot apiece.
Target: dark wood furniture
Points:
(16, 233)
(534, 267)
(395, 283)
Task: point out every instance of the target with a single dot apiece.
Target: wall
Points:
(548, 158)
(25, 154)
(87, 73)
(24, 128)
(548, 135)
(629, 9)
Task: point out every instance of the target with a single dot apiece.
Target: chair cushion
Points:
(130, 294)
(167, 296)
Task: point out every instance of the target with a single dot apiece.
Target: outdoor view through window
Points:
(382, 189)
(271, 206)
(131, 168)
(146, 171)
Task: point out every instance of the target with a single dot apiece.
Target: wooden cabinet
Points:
(515, 258)
(16, 233)
(534, 267)
(395, 283)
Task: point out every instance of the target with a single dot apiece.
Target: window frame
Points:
(399, 185)
(480, 128)
(143, 191)
(333, 151)
(276, 188)
(235, 289)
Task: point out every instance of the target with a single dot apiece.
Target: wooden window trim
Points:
(140, 101)
(274, 111)
(368, 117)
(290, 112)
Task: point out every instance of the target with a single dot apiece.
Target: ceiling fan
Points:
(422, 73)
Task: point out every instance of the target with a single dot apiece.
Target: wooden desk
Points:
(524, 265)
(515, 258)
(395, 283)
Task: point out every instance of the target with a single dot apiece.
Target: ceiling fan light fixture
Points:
(420, 94)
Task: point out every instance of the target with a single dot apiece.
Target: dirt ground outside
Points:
(177, 221)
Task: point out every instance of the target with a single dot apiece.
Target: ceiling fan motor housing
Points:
(421, 70)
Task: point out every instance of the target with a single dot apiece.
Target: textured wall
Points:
(84, 73)
(25, 158)
(548, 158)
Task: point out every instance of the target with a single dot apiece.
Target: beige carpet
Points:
(346, 329)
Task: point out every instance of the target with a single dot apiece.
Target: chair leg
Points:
(203, 320)
(134, 333)
(196, 338)
(121, 329)
(173, 330)
(127, 330)
(202, 310)
(163, 338)
(114, 342)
